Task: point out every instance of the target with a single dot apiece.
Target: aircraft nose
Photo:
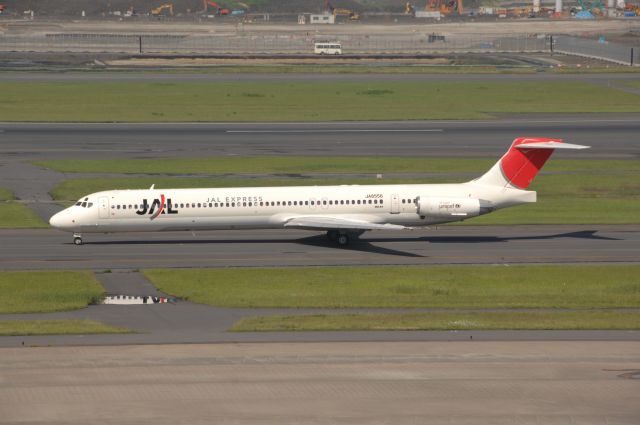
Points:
(59, 220)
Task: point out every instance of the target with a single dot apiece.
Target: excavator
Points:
(158, 10)
(353, 16)
(445, 7)
(219, 9)
(409, 9)
(328, 7)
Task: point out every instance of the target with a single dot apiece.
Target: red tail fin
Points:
(520, 165)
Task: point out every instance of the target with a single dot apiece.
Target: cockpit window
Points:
(84, 203)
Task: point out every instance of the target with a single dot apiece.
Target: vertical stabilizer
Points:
(522, 162)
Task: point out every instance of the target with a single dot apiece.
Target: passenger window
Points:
(118, 206)
(358, 201)
(295, 203)
(380, 200)
(90, 205)
(342, 202)
(375, 201)
(249, 203)
(273, 203)
(324, 202)
(313, 203)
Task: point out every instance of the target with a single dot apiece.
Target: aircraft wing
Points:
(338, 223)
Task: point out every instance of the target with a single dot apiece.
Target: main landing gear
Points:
(341, 238)
(77, 239)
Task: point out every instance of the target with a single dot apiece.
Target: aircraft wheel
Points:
(77, 240)
(343, 240)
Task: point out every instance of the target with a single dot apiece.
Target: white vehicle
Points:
(342, 211)
(328, 48)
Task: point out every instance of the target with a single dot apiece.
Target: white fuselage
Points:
(274, 207)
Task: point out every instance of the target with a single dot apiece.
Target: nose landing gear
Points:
(77, 239)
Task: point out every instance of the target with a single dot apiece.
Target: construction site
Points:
(336, 11)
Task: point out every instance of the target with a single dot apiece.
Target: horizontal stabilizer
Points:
(550, 145)
(335, 223)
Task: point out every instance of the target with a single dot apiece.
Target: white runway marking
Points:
(339, 131)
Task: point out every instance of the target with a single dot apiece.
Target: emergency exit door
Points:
(103, 207)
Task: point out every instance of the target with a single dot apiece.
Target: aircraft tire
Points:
(343, 239)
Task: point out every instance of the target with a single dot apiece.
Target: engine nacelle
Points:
(449, 207)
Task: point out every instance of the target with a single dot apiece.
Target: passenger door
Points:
(395, 204)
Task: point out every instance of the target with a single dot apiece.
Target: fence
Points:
(271, 44)
(597, 49)
(303, 44)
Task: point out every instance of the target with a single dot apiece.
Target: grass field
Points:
(5, 194)
(468, 287)
(55, 327)
(300, 101)
(591, 191)
(14, 215)
(288, 165)
(47, 291)
(379, 68)
(319, 164)
(443, 321)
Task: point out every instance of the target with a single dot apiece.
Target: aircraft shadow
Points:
(356, 245)
(365, 245)
(316, 240)
(584, 234)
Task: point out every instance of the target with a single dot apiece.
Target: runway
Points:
(451, 383)
(575, 244)
(143, 75)
(610, 135)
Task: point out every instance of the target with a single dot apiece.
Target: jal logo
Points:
(156, 207)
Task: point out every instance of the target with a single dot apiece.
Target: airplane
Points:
(344, 211)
